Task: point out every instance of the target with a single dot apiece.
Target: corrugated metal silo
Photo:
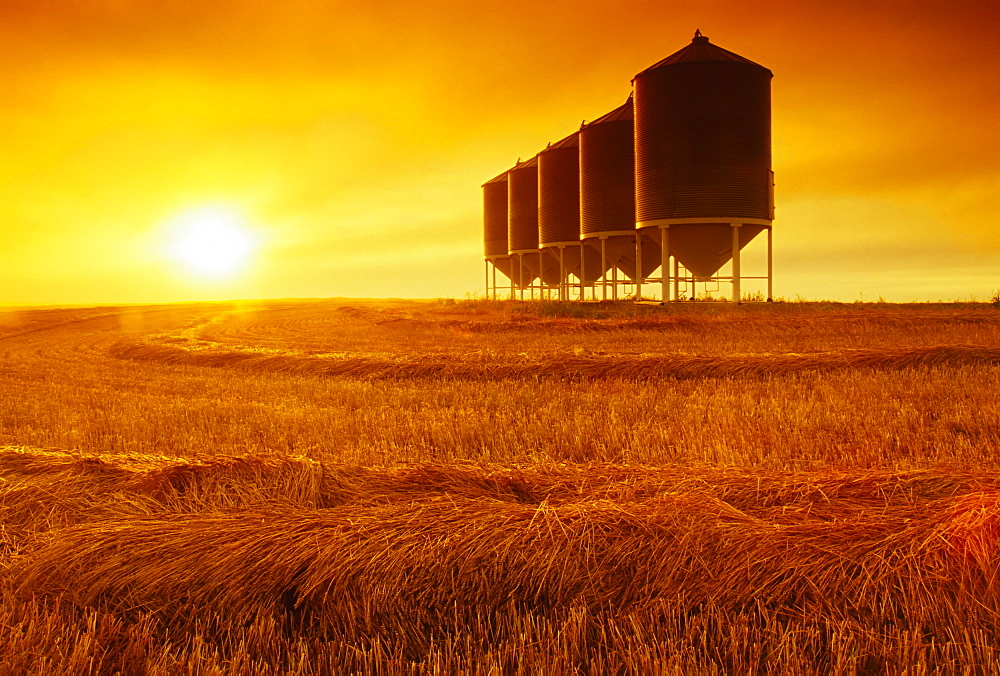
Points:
(495, 223)
(703, 153)
(559, 211)
(522, 222)
(607, 194)
(559, 192)
(607, 173)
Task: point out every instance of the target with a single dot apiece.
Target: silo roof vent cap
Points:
(701, 50)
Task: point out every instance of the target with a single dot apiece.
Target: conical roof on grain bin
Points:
(703, 150)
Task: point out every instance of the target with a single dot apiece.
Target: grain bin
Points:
(522, 223)
(607, 194)
(495, 229)
(559, 192)
(559, 212)
(703, 155)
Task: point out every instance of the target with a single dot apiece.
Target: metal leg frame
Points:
(669, 288)
(737, 298)
(638, 265)
(665, 264)
(770, 278)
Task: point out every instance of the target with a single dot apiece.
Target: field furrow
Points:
(571, 367)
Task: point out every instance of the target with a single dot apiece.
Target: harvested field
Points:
(569, 367)
(404, 487)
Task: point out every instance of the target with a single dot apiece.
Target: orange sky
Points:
(354, 136)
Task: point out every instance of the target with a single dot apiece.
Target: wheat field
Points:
(406, 487)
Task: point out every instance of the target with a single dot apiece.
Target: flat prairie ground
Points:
(361, 486)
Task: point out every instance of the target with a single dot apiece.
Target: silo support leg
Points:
(677, 279)
(638, 265)
(562, 273)
(736, 263)
(531, 288)
(604, 268)
(543, 289)
(770, 278)
(665, 263)
(520, 275)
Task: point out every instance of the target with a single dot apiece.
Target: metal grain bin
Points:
(495, 225)
(703, 151)
(495, 216)
(607, 194)
(522, 207)
(559, 211)
(522, 221)
(607, 173)
(559, 192)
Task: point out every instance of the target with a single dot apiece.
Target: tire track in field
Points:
(66, 337)
(325, 329)
(73, 336)
(560, 366)
(319, 329)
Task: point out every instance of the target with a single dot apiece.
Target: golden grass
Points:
(565, 366)
(396, 562)
(401, 487)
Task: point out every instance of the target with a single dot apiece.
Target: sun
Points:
(211, 241)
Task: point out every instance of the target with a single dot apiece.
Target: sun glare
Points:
(211, 241)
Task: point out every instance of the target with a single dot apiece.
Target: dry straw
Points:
(560, 366)
(408, 559)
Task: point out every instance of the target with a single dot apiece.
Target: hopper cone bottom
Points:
(503, 266)
(620, 253)
(703, 248)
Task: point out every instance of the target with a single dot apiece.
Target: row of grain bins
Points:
(665, 190)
